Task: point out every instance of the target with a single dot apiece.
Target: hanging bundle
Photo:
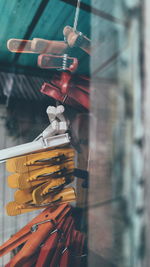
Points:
(41, 179)
(50, 239)
(55, 55)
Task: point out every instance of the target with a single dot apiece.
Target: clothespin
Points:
(62, 62)
(64, 257)
(52, 244)
(53, 136)
(66, 195)
(35, 177)
(43, 191)
(63, 242)
(37, 46)
(76, 249)
(77, 39)
(75, 96)
(34, 161)
(58, 123)
(34, 234)
(30, 262)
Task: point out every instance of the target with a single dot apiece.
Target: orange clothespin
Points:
(63, 243)
(34, 234)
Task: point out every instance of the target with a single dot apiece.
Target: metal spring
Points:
(64, 64)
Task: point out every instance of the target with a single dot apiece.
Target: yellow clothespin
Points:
(39, 176)
(43, 191)
(34, 161)
(64, 196)
(24, 196)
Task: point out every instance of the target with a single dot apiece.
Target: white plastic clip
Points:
(54, 135)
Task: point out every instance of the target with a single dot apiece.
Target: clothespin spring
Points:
(34, 227)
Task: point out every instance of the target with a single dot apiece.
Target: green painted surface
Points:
(16, 18)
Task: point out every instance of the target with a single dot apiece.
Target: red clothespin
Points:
(51, 245)
(30, 262)
(63, 62)
(66, 253)
(77, 39)
(72, 94)
(78, 240)
(33, 234)
(62, 244)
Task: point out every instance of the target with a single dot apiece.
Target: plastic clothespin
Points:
(76, 249)
(38, 176)
(62, 244)
(41, 193)
(37, 46)
(34, 233)
(59, 124)
(47, 250)
(62, 62)
(77, 39)
(73, 95)
(38, 194)
(34, 161)
(66, 195)
(53, 136)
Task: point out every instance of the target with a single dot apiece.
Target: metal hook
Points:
(34, 227)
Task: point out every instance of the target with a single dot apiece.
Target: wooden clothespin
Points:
(37, 45)
(77, 39)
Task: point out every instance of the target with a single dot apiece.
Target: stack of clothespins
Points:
(55, 55)
(41, 178)
(43, 169)
(50, 239)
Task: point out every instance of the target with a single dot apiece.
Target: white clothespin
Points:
(58, 122)
(54, 135)
(57, 119)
